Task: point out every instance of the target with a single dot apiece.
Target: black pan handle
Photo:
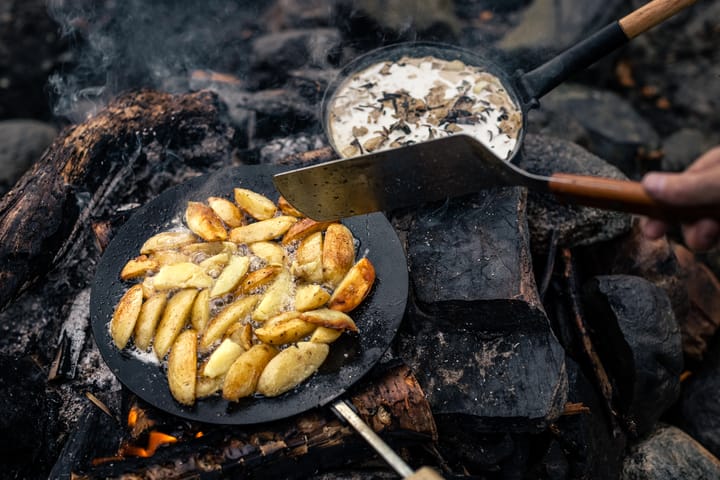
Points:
(549, 75)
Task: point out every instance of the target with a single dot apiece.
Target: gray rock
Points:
(669, 454)
(298, 48)
(638, 341)
(683, 147)
(22, 143)
(698, 88)
(575, 226)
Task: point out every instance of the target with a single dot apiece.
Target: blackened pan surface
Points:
(351, 357)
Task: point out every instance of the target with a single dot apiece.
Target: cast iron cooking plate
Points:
(351, 357)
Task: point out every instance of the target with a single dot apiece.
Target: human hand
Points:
(698, 185)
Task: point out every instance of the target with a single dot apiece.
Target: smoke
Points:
(129, 44)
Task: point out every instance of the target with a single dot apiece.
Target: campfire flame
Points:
(155, 439)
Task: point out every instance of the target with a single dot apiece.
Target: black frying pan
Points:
(351, 357)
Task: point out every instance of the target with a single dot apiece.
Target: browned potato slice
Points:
(241, 380)
(354, 287)
(200, 315)
(256, 205)
(338, 253)
(208, 249)
(308, 259)
(275, 297)
(148, 287)
(310, 297)
(167, 241)
(258, 278)
(290, 367)
(206, 386)
(169, 257)
(202, 220)
(138, 267)
(227, 211)
(242, 334)
(173, 320)
(181, 275)
(284, 328)
(325, 335)
(288, 209)
(148, 320)
(220, 360)
(232, 313)
(231, 276)
(270, 252)
(125, 316)
(214, 265)
(182, 367)
(263, 230)
(302, 228)
(330, 318)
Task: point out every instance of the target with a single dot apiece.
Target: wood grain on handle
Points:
(621, 195)
(651, 14)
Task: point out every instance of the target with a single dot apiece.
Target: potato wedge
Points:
(308, 259)
(263, 230)
(231, 276)
(147, 322)
(325, 335)
(275, 298)
(206, 386)
(270, 252)
(284, 328)
(182, 367)
(208, 249)
(173, 320)
(139, 267)
(242, 377)
(220, 360)
(288, 209)
(258, 279)
(310, 296)
(290, 367)
(232, 313)
(203, 221)
(338, 254)
(181, 275)
(254, 204)
(353, 289)
(227, 211)
(125, 316)
(330, 318)
(214, 265)
(167, 241)
(242, 334)
(200, 314)
(303, 228)
(169, 257)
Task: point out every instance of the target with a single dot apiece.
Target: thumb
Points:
(687, 188)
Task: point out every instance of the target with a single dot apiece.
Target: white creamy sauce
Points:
(392, 104)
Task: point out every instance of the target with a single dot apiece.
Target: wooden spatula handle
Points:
(621, 195)
(651, 14)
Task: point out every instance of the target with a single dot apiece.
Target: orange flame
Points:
(155, 440)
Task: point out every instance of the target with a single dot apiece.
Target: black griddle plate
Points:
(351, 357)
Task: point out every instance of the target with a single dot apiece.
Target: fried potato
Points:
(308, 259)
(125, 316)
(258, 279)
(242, 334)
(200, 314)
(203, 221)
(169, 257)
(148, 320)
(227, 211)
(206, 386)
(254, 204)
(220, 360)
(263, 230)
(303, 228)
(139, 267)
(242, 377)
(181, 275)
(231, 276)
(338, 253)
(353, 289)
(275, 297)
(288, 209)
(208, 249)
(182, 367)
(271, 253)
(214, 265)
(232, 313)
(290, 367)
(167, 241)
(173, 320)
(310, 297)
(284, 328)
(330, 318)
(325, 335)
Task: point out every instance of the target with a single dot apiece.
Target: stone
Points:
(683, 147)
(22, 143)
(296, 48)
